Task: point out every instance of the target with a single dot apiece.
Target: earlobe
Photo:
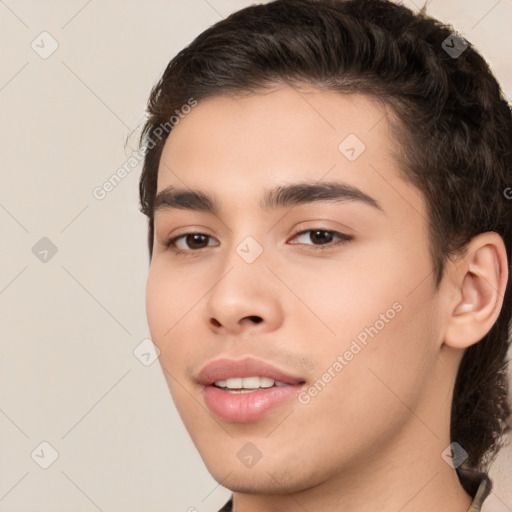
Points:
(482, 277)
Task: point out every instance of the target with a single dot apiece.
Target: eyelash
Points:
(342, 239)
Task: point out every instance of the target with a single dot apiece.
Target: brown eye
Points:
(320, 237)
(190, 242)
(197, 240)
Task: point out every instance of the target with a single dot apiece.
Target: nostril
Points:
(255, 319)
(215, 322)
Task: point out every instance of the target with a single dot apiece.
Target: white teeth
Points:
(257, 382)
(248, 383)
(235, 383)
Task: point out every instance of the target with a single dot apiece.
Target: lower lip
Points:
(246, 407)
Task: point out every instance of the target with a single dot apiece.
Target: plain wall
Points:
(69, 324)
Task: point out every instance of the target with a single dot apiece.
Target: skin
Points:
(372, 438)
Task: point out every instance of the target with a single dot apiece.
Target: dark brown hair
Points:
(454, 128)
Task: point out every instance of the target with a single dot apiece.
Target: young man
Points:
(328, 191)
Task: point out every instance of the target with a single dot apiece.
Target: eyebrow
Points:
(294, 194)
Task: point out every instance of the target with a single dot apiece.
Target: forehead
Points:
(280, 118)
(239, 146)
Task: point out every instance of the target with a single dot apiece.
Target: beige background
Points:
(69, 326)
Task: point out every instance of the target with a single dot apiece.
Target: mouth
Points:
(246, 390)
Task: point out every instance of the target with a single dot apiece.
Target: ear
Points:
(479, 279)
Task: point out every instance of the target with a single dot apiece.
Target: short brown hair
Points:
(455, 137)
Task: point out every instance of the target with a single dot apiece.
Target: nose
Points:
(244, 299)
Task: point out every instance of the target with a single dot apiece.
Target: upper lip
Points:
(222, 369)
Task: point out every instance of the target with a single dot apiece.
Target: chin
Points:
(255, 484)
(263, 479)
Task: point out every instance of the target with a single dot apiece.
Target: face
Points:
(288, 247)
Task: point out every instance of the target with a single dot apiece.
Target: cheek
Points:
(383, 380)
(381, 314)
(173, 309)
(157, 304)
(171, 296)
(360, 290)
(167, 303)
(388, 362)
